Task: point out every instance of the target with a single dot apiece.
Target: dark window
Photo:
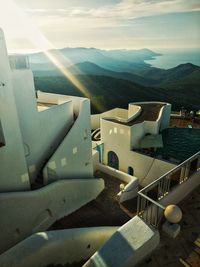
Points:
(2, 139)
(113, 160)
(130, 171)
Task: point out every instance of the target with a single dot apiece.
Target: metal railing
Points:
(148, 206)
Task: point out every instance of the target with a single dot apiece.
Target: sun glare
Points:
(16, 24)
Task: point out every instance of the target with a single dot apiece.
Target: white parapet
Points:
(130, 244)
(130, 189)
(25, 213)
(57, 247)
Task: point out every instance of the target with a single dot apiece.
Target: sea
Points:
(171, 58)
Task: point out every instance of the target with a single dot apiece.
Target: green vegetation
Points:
(117, 77)
(112, 92)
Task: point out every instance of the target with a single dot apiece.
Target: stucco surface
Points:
(127, 246)
(24, 213)
(56, 247)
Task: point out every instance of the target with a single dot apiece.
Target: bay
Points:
(171, 58)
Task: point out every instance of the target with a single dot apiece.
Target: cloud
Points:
(126, 9)
(125, 23)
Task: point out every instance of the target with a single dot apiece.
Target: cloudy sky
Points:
(108, 24)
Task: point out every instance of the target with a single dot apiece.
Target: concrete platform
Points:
(130, 244)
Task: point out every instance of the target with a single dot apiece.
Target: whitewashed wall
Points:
(13, 172)
(41, 131)
(165, 120)
(133, 110)
(158, 168)
(75, 150)
(137, 133)
(116, 138)
(57, 247)
(25, 213)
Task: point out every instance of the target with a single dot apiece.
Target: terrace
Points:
(149, 112)
(106, 211)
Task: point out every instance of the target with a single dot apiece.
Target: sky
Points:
(31, 25)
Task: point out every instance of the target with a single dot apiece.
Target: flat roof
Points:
(43, 106)
(150, 112)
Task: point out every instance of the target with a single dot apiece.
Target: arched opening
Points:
(130, 171)
(113, 160)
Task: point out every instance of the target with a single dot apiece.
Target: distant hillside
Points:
(112, 92)
(183, 75)
(88, 68)
(116, 60)
(117, 77)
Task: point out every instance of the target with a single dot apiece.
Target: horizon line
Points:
(34, 51)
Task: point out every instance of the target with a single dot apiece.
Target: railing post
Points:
(198, 163)
(187, 171)
(138, 204)
(168, 184)
(182, 176)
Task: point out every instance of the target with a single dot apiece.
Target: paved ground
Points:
(181, 251)
(105, 210)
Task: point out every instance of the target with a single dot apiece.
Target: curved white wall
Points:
(41, 131)
(70, 153)
(24, 213)
(57, 247)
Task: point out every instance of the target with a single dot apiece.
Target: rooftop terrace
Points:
(150, 112)
(105, 211)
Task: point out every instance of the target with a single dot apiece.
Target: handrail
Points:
(151, 210)
(153, 201)
(170, 172)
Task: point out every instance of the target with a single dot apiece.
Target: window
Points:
(113, 160)
(2, 139)
(130, 171)
(85, 134)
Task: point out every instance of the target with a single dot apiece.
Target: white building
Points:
(44, 140)
(128, 137)
(47, 137)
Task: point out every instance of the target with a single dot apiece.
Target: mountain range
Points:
(117, 77)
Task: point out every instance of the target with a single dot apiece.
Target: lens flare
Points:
(28, 29)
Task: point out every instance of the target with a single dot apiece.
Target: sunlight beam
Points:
(27, 29)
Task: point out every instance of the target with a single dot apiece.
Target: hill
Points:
(116, 60)
(111, 92)
(184, 75)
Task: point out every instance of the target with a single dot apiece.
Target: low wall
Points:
(115, 173)
(57, 247)
(178, 193)
(182, 190)
(130, 244)
(153, 172)
(132, 183)
(25, 213)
